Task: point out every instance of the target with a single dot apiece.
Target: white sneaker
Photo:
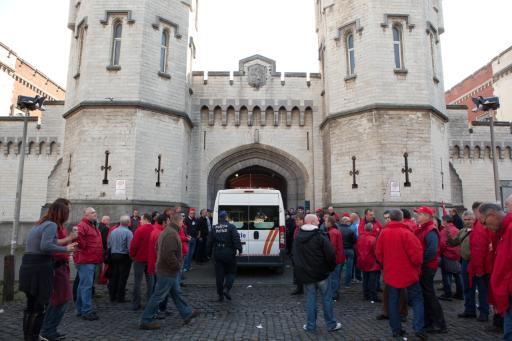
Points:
(338, 327)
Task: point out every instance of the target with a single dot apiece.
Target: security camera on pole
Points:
(491, 104)
(26, 104)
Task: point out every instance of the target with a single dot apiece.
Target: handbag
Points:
(451, 266)
(108, 257)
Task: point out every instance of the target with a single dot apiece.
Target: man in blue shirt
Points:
(120, 262)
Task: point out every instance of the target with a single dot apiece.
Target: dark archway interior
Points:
(258, 177)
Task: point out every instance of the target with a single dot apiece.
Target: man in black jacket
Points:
(349, 240)
(225, 242)
(202, 237)
(314, 260)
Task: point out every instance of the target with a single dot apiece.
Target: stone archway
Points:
(282, 163)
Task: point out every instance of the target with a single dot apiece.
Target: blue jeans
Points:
(188, 258)
(52, 319)
(349, 264)
(325, 292)
(370, 285)
(335, 280)
(415, 297)
(165, 286)
(482, 283)
(507, 335)
(84, 290)
(469, 293)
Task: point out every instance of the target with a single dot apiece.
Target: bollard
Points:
(8, 289)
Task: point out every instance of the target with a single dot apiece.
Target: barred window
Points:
(351, 60)
(398, 47)
(164, 50)
(116, 43)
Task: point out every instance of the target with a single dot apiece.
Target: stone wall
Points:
(44, 149)
(470, 156)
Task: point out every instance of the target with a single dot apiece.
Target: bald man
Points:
(314, 260)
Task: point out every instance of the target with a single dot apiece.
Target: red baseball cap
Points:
(318, 210)
(192, 210)
(346, 214)
(425, 209)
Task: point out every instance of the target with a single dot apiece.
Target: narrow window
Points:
(80, 48)
(432, 53)
(397, 45)
(351, 61)
(116, 43)
(164, 48)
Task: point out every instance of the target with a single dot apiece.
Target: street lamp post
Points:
(490, 105)
(26, 104)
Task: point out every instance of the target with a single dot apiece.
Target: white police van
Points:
(258, 214)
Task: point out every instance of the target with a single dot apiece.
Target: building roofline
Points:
(11, 51)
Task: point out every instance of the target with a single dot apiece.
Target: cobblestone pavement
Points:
(259, 311)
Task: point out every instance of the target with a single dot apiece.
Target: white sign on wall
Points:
(394, 189)
(120, 187)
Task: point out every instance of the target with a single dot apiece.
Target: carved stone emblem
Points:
(257, 75)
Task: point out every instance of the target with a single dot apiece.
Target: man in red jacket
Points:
(139, 253)
(401, 255)
(337, 244)
(493, 217)
(369, 217)
(88, 255)
(367, 262)
(429, 238)
(480, 264)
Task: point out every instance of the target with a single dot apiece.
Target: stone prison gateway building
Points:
(140, 129)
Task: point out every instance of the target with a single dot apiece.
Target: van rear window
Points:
(252, 217)
(237, 215)
(263, 217)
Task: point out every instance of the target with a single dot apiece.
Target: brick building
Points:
(140, 129)
(493, 79)
(18, 77)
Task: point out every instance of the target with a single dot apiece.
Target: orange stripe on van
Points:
(276, 232)
(266, 244)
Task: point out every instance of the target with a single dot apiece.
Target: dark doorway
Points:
(257, 177)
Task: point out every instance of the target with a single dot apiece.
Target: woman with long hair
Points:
(36, 271)
(61, 287)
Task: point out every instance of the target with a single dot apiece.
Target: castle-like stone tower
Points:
(128, 103)
(383, 102)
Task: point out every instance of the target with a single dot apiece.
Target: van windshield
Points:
(252, 217)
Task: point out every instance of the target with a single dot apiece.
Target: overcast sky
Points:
(279, 29)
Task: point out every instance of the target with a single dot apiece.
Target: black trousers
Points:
(202, 250)
(119, 272)
(370, 285)
(225, 272)
(434, 316)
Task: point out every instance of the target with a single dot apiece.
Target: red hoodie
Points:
(184, 241)
(501, 278)
(481, 246)
(401, 254)
(140, 243)
(377, 226)
(450, 252)
(152, 255)
(337, 243)
(365, 248)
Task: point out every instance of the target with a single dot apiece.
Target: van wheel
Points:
(279, 270)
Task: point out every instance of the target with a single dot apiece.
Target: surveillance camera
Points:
(31, 103)
(486, 103)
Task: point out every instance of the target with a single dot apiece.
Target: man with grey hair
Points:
(462, 239)
(120, 261)
(495, 219)
(314, 260)
(88, 255)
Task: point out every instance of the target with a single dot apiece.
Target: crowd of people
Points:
(473, 251)
(396, 261)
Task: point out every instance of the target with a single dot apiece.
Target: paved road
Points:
(261, 298)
